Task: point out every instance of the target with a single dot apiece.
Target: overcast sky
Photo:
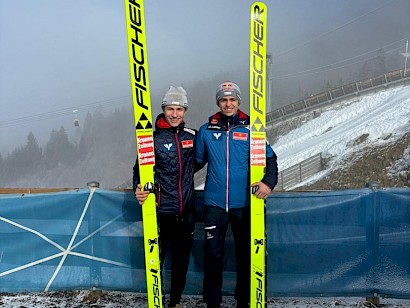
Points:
(57, 56)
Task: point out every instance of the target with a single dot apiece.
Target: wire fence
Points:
(353, 89)
(298, 173)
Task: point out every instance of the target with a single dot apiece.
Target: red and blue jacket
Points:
(224, 143)
(174, 168)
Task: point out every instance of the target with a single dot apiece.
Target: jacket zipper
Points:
(227, 170)
(179, 172)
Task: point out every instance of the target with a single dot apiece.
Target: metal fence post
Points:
(95, 268)
(373, 234)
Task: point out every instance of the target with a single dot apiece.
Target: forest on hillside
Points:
(103, 148)
(104, 151)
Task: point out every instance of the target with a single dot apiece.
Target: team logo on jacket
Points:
(186, 144)
(240, 136)
(168, 146)
(216, 136)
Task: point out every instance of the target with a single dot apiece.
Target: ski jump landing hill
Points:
(340, 94)
(307, 168)
(295, 174)
(333, 243)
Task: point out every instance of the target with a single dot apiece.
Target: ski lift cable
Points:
(321, 68)
(63, 111)
(330, 31)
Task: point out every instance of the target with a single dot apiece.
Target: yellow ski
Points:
(137, 53)
(257, 92)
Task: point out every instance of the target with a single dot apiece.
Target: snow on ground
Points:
(125, 299)
(384, 116)
(402, 165)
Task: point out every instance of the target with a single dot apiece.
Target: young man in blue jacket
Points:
(224, 143)
(174, 146)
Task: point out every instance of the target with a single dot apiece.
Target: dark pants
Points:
(176, 235)
(216, 222)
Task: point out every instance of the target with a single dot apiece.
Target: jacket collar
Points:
(220, 121)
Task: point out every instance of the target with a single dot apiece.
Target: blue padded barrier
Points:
(332, 243)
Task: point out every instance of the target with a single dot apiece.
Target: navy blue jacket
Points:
(174, 167)
(224, 143)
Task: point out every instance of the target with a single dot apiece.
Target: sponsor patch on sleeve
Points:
(187, 144)
(240, 136)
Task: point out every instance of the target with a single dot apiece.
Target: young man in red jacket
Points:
(174, 180)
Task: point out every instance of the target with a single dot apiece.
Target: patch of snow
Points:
(111, 299)
(384, 116)
(401, 166)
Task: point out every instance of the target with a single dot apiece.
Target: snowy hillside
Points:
(338, 131)
(375, 120)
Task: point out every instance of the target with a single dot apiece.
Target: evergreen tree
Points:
(1, 167)
(379, 63)
(59, 150)
(33, 153)
(365, 71)
(86, 140)
(13, 165)
(326, 85)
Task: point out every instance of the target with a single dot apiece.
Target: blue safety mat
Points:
(333, 243)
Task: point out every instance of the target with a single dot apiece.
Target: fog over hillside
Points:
(61, 56)
(374, 121)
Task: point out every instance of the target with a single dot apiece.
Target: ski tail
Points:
(138, 61)
(257, 91)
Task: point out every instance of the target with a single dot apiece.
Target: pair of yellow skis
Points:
(138, 61)
(257, 107)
